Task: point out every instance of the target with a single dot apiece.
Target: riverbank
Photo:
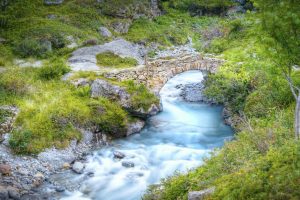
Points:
(29, 173)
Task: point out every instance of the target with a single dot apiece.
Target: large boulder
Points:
(84, 59)
(121, 26)
(102, 88)
(200, 195)
(135, 127)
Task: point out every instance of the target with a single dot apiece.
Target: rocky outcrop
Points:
(200, 195)
(135, 126)
(84, 59)
(121, 26)
(104, 31)
(102, 88)
(21, 174)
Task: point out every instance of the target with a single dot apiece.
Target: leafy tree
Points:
(281, 19)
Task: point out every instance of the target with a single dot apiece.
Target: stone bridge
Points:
(157, 72)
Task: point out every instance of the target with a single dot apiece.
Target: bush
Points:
(32, 47)
(111, 60)
(109, 117)
(141, 97)
(20, 141)
(52, 114)
(53, 71)
(13, 81)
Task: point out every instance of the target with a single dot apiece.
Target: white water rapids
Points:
(177, 139)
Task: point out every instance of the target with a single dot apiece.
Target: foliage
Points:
(109, 116)
(108, 59)
(4, 114)
(51, 114)
(53, 70)
(20, 141)
(262, 162)
(201, 7)
(13, 81)
(141, 97)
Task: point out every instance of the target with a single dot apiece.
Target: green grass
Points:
(262, 162)
(141, 97)
(111, 60)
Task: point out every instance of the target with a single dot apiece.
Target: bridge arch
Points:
(157, 72)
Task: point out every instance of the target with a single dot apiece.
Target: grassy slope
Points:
(51, 110)
(263, 161)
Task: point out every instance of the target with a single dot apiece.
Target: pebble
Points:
(127, 164)
(119, 155)
(5, 169)
(78, 167)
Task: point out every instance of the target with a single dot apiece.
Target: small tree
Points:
(281, 19)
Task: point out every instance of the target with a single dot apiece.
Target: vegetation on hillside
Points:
(261, 49)
(262, 162)
(111, 60)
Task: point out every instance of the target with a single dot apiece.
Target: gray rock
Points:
(78, 167)
(102, 88)
(127, 164)
(135, 127)
(13, 193)
(121, 27)
(2, 69)
(80, 82)
(193, 92)
(51, 16)
(3, 193)
(200, 195)
(5, 169)
(53, 2)
(71, 42)
(2, 40)
(25, 63)
(119, 155)
(60, 189)
(84, 59)
(104, 32)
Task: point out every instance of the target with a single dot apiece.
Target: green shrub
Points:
(84, 91)
(4, 114)
(20, 141)
(52, 114)
(141, 97)
(13, 81)
(31, 47)
(53, 70)
(109, 117)
(111, 60)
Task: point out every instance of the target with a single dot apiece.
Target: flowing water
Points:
(177, 139)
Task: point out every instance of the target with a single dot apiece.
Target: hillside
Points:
(66, 69)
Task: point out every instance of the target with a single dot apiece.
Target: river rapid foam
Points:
(177, 139)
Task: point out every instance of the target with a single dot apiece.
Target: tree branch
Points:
(292, 86)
